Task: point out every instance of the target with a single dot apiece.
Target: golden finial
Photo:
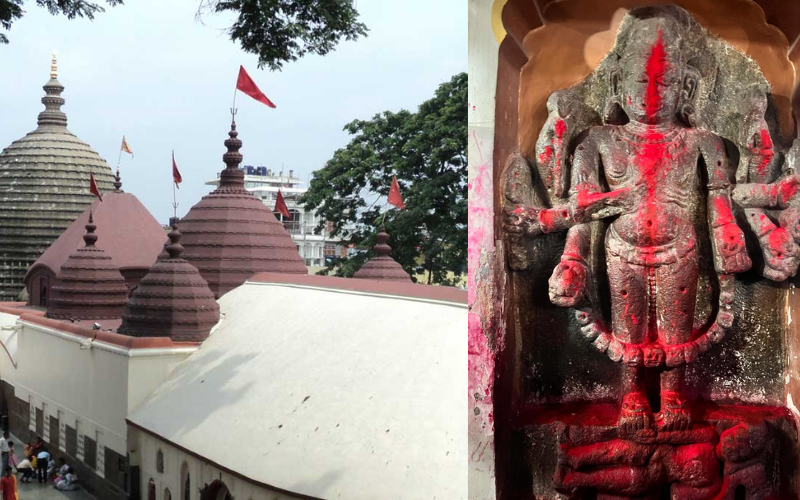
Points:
(53, 68)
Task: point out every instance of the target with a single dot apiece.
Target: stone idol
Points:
(666, 215)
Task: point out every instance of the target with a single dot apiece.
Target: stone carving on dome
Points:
(662, 171)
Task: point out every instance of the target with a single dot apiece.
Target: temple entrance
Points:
(217, 490)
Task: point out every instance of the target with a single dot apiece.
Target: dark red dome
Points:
(172, 300)
(230, 235)
(382, 266)
(88, 285)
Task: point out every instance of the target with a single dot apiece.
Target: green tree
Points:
(427, 151)
(278, 31)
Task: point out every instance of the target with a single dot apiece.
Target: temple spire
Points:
(231, 178)
(90, 238)
(52, 100)
(117, 182)
(382, 248)
(54, 67)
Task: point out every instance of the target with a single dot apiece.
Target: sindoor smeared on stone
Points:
(681, 212)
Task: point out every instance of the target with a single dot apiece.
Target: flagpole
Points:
(119, 158)
(233, 109)
(174, 199)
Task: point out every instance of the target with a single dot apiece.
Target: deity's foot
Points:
(635, 414)
(675, 414)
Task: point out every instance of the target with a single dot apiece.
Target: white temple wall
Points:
(95, 386)
(145, 447)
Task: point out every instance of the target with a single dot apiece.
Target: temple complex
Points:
(43, 179)
(188, 364)
(634, 244)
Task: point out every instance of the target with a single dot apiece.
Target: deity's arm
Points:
(727, 238)
(778, 195)
(587, 200)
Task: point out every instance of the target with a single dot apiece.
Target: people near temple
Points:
(8, 485)
(35, 447)
(42, 460)
(69, 481)
(12, 459)
(4, 449)
(61, 473)
(26, 468)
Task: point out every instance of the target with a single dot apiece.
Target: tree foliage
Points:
(11, 10)
(281, 31)
(427, 151)
(277, 31)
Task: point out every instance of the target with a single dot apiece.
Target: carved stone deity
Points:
(639, 174)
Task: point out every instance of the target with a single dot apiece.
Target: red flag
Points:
(394, 194)
(93, 187)
(176, 175)
(249, 87)
(280, 206)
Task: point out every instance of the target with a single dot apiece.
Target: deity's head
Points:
(651, 80)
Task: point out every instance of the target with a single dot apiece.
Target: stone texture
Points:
(230, 235)
(44, 186)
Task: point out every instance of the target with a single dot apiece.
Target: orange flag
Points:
(93, 187)
(124, 147)
(394, 195)
(176, 175)
(280, 206)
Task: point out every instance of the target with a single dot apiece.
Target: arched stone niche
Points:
(550, 380)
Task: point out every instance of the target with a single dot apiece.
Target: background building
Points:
(264, 183)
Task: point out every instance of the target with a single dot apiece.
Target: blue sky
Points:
(150, 71)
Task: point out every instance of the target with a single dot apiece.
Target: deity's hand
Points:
(787, 188)
(781, 254)
(523, 221)
(731, 252)
(568, 283)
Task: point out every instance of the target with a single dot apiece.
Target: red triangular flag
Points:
(93, 187)
(176, 175)
(394, 194)
(280, 206)
(249, 87)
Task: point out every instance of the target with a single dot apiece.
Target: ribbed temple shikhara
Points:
(44, 180)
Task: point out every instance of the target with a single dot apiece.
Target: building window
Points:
(167, 494)
(160, 461)
(151, 490)
(330, 250)
(291, 223)
(186, 490)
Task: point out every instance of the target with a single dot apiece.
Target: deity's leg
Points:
(676, 291)
(629, 320)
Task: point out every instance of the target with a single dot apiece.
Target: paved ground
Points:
(36, 491)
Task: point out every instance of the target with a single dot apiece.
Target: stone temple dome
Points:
(230, 235)
(172, 300)
(44, 179)
(382, 266)
(89, 284)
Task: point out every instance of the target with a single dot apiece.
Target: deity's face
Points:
(650, 79)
